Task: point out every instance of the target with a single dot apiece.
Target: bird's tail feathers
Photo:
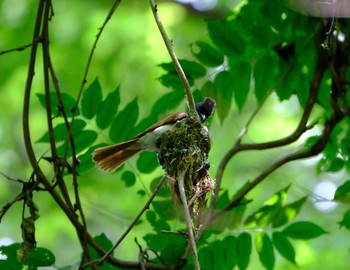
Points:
(111, 157)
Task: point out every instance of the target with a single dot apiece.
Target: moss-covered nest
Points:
(185, 148)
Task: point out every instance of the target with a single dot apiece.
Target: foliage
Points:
(279, 53)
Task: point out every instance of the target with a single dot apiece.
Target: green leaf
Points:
(123, 125)
(164, 191)
(84, 139)
(147, 162)
(129, 178)
(69, 105)
(264, 248)
(342, 194)
(226, 37)
(303, 230)
(85, 161)
(289, 84)
(331, 164)
(165, 209)
(192, 69)
(170, 246)
(264, 76)
(108, 109)
(40, 257)
(223, 200)
(346, 220)
(219, 254)
(244, 250)
(53, 102)
(284, 246)
(302, 91)
(207, 54)
(229, 244)
(11, 261)
(230, 219)
(67, 100)
(91, 99)
(266, 214)
(106, 244)
(288, 213)
(173, 81)
(241, 82)
(224, 91)
(167, 102)
(61, 133)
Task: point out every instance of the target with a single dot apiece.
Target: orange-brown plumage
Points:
(111, 157)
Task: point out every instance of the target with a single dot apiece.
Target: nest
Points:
(185, 148)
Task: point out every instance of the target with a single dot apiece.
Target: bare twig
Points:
(169, 45)
(146, 206)
(18, 49)
(191, 237)
(109, 16)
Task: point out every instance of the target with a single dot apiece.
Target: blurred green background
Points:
(127, 55)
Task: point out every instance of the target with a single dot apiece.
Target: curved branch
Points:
(316, 149)
(27, 92)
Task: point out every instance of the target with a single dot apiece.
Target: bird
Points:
(109, 158)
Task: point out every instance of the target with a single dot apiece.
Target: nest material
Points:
(185, 148)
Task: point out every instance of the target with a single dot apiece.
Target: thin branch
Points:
(18, 49)
(191, 237)
(146, 206)
(169, 45)
(109, 16)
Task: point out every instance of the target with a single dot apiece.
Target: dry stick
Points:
(169, 45)
(146, 206)
(191, 238)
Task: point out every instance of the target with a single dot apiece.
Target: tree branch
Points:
(169, 45)
(18, 49)
(316, 149)
(146, 207)
(320, 68)
(191, 238)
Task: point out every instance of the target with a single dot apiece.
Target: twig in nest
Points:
(183, 152)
